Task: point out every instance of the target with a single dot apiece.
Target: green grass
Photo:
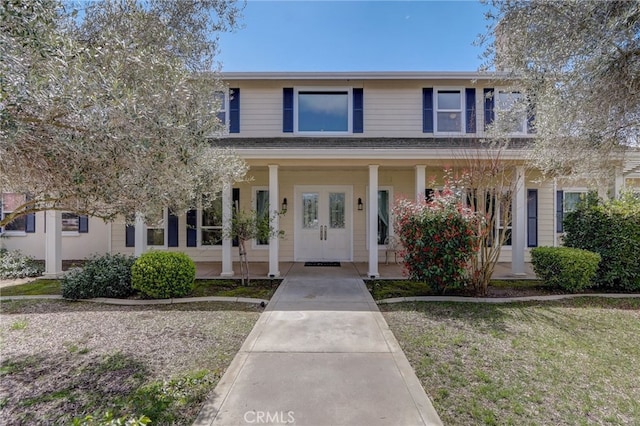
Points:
(260, 289)
(19, 325)
(566, 362)
(385, 289)
(517, 283)
(33, 288)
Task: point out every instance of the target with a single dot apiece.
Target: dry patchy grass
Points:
(63, 360)
(569, 362)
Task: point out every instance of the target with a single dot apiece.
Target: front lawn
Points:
(386, 289)
(549, 363)
(65, 360)
(260, 289)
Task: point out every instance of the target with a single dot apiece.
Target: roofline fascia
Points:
(367, 75)
(375, 154)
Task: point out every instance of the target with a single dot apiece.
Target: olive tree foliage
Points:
(578, 62)
(108, 109)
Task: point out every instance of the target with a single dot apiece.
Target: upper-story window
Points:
(323, 110)
(221, 102)
(449, 110)
(10, 202)
(510, 110)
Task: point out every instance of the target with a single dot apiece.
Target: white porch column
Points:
(373, 221)
(421, 175)
(140, 245)
(619, 182)
(227, 241)
(274, 204)
(53, 244)
(518, 235)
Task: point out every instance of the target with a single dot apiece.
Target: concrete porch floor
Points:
(212, 270)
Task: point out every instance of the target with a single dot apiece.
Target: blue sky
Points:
(355, 36)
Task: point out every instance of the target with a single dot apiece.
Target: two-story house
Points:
(331, 151)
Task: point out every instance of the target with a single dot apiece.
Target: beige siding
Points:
(391, 108)
(75, 246)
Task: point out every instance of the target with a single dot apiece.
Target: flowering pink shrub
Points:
(438, 237)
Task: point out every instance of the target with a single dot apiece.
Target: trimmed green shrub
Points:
(611, 229)
(162, 274)
(107, 275)
(14, 264)
(567, 268)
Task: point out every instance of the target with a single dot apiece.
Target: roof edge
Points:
(365, 75)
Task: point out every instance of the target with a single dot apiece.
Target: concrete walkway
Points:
(320, 354)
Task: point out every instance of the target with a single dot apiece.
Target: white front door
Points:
(323, 222)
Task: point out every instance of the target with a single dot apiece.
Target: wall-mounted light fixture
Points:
(284, 205)
(360, 205)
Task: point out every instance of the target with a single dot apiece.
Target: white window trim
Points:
(72, 233)
(165, 221)
(499, 225)
(366, 204)
(575, 190)
(347, 89)
(199, 230)
(226, 104)
(463, 110)
(254, 207)
(496, 94)
(10, 233)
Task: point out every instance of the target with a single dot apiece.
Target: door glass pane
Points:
(336, 210)
(310, 210)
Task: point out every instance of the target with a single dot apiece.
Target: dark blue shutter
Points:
(470, 100)
(83, 224)
(427, 110)
(172, 236)
(234, 111)
(130, 236)
(287, 110)
(358, 111)
(192, 228)
(488, 107)
(30, 223)
(532, 218)
(559, 211)
(235, 196)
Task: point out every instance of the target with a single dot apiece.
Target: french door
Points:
(323, 222)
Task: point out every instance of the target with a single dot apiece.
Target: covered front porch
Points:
(259, 270)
